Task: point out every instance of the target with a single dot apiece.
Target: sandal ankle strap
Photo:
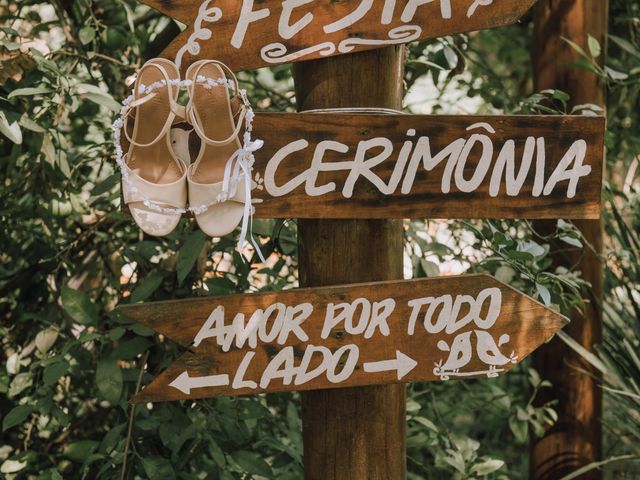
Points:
(176, 110)
(191, 112)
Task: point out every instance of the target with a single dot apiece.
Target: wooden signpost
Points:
(376, 167)
(412, 166)
(247, 34)
(345, 336)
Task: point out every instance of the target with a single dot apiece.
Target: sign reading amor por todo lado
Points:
(344, 336)
(411, 166)
(247, 34)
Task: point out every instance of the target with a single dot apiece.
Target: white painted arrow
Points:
(185, 383)
(402, 363)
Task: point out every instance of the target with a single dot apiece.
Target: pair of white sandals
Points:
(158, 178)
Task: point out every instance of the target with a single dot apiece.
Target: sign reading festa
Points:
(411, 166)
(247, 34)
(345, 336)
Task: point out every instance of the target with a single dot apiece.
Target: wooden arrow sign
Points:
(247, 34)
(377, 333)
(413, 166)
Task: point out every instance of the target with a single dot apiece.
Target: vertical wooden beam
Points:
(352, 433)
(576, 440)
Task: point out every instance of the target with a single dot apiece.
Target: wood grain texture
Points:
(352, 432)
(576, 439)
(425, 198)
(527, 323)
(361, 33)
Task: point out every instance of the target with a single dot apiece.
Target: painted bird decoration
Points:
(460, 354)
(489, 352)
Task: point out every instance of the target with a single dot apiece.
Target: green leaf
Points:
(252, 462)
(427, 423)
(615, 74)
(20, 383)
(79, 306)
(112, 438)
(16, 416)
(50, 474)
(217, 454)
(158, 467)
(456, 460)
(520, 256)
(130, 349)
(12, 466)
(109, 380)
(576, 47)
(413, 406)
(11, 32)
(9, 45)
(117, 333)
(287, 240)
(54, 371)
(430, 269)
(106, 185)
(147, 287)
(571, 241)
(594, 47)
(104, 100)
(534, 378)
(562, 96)
(31, 125)
(221, 286)
(625, 45)
(141, 330)
(79, 451)
(544, 293)
(11, 130)
(45, 339)
(519, 429)
(189, 253)
(263, 226)
(48, 150)
(451, 56)
(86, 34)
(29, 91)
(487, 467)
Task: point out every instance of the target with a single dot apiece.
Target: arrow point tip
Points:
(181, 383)
(405, 364)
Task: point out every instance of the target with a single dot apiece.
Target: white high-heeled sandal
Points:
(154, 177)
(222, 171)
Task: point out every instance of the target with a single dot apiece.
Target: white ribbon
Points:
(240, 164)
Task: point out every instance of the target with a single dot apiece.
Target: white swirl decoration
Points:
(206, 14)
(398, 35)
(278, 53)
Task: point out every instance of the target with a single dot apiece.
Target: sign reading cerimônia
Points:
(344, 336)
(333, 165)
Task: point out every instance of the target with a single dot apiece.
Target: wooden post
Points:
(359, 432)
(575, 441)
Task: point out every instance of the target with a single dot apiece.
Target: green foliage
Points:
(459, 430)
(619, 350)
(69, 256)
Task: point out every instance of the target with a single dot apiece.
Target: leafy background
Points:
(68, 257)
